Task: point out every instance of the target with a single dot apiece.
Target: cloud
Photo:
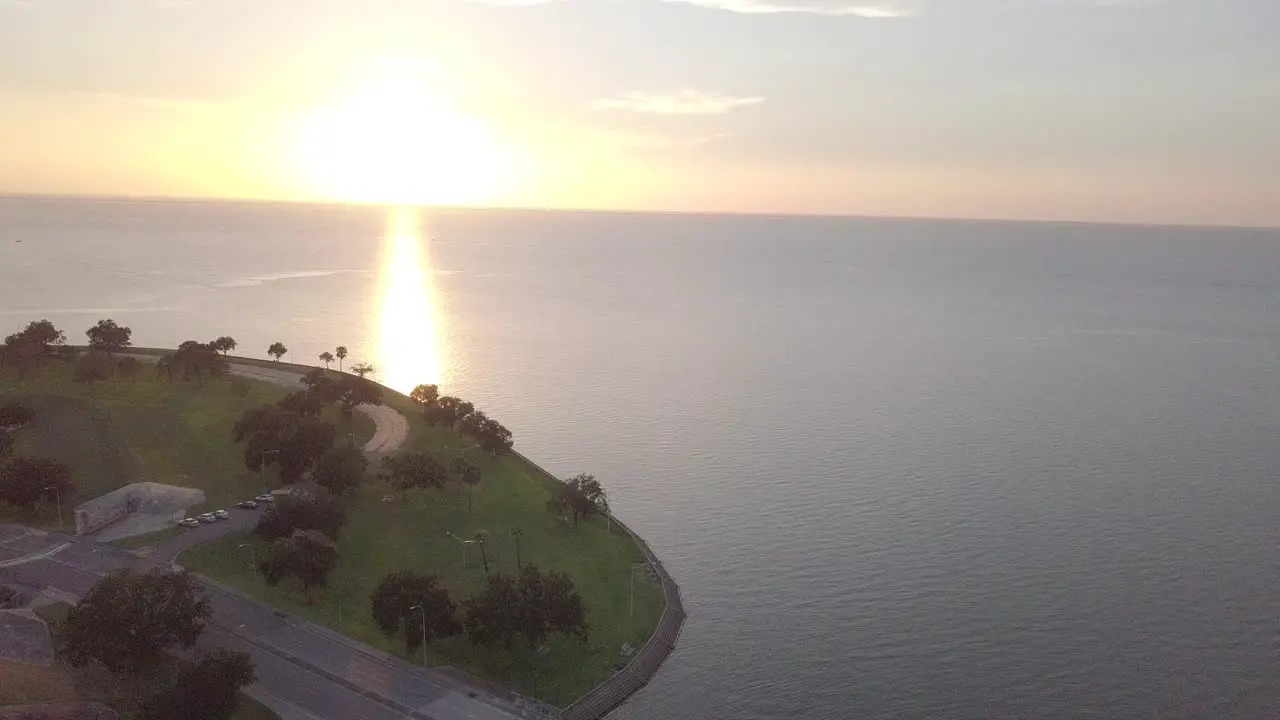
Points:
(857, 8)
(683, 102)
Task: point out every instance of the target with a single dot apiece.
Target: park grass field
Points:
(147, 429)
(385, 536)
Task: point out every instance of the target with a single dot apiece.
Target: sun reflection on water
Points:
(409, 346)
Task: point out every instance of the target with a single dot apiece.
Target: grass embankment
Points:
(22, 684)
(383, 537)
(147, 429)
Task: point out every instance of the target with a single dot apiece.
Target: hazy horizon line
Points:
(206, 200)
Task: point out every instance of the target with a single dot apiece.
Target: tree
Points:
(291, 514)
(129, 622)
(362, 369)
(425, 394)
(290, 440)
(533, 606)
(204, 689)
(24, 481)
(341, 353)
(493, 438)
(412, 470)
(326, 357)
(302, 402)
(516, 534)
(109, 337)
(353, 391)
(224, 345)
(197, 359)
(467, 474)
(393, 601)
(165, 366)
(318, 383)
(582, 496)
(277, 350)
(470, 423)
(92, 367)
(14, 415)
(450, 410)
(128, 367)
(307, 555)
(30, 348)
(481, 537)
(340, 469)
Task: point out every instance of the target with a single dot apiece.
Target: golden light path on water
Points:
(409, 345)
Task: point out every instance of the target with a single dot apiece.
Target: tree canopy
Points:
(307, 555)
(413, 471)
(14, 414)
(532, 607)
(362, 369)
(204, 689)
(25, 480)
(393, 602)
(326, 357)
(195, 359)
(582, 496)
(224, 344)
(288, 439)
(129, 622)
(28, 349)
(425, 394)
(109, 337)
(340, 469)
(291, 514)
(277, 350)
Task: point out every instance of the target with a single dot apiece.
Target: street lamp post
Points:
(631, 590)
(464, 543)
(253, 555)
(262, 467)
(58, 496)
(424, 632)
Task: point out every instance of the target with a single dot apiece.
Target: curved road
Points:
(305, 672)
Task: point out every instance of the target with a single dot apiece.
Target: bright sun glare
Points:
(395, 142)
(409, 350)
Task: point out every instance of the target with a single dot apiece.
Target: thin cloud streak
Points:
(683, 102)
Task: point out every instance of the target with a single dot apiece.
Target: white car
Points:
(265, 498)
(221, 514)
(206, 518)
(189, 523)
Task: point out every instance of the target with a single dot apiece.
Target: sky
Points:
(1160, 111)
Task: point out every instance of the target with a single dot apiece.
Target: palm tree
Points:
(362, 369)
(341, 353)
(481, 537)
(326, 358)
(516, 534)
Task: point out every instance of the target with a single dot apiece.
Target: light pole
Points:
(58, 496)
(464, 543)
(262, 468)
(424, 632)
(631, 591)
(253, 555)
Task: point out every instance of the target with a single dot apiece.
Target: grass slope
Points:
(150, 429)
(383, 537)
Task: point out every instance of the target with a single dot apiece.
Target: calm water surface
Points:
(901, 469)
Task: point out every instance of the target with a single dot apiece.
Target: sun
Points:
(394, 142)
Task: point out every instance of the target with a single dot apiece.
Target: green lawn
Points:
(383, 537)
(150, 429)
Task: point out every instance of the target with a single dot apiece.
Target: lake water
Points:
(901, 469)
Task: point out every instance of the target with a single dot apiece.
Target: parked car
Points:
(265, 498)
(247, 505)
(189, 523)
(221, 514)
(206, 518)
